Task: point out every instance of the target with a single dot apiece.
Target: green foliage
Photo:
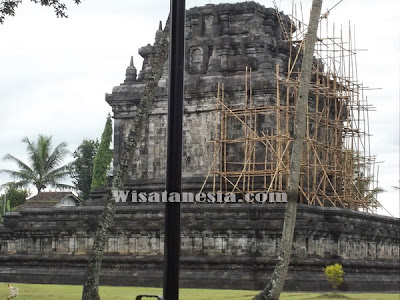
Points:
(103, 157)
(82, 167)
(8, 7)
(44, 168)
(334, 275)
(15, 197)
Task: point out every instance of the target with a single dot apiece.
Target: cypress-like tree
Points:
(103, 157)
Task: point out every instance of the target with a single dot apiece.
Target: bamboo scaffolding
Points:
(252, 141)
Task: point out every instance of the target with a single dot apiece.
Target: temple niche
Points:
(196, 61)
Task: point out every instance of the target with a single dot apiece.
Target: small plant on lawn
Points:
(334, 274)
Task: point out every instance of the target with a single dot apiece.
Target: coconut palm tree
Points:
(44, 168)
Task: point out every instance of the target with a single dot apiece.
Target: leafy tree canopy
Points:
(82, 167)
(8, 7)
(14, 197)
(44, 168)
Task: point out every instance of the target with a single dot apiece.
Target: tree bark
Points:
(274, 288)
(91, 285)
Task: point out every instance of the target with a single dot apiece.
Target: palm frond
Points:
(21, 174)
(378, 190)
(59, 173)
(56, 157)
(20, 163)
(44, 148)
(62, 186)
(18, 184)
(33, 155)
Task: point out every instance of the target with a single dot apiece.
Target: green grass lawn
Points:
(73, 292)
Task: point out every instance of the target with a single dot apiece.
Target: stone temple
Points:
(240, 86)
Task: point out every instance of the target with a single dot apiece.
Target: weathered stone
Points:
(221, 41)
(239, 241)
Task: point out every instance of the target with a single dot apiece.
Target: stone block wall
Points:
(232, 243)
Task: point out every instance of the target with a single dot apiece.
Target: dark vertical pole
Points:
(174, 149)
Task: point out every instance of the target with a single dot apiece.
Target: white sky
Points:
(54, 72)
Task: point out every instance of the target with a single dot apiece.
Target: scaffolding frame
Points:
(337, 168)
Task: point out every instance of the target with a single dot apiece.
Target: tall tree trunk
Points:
(274, 288)
(91, 285)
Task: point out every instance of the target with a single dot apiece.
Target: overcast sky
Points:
(54, 72)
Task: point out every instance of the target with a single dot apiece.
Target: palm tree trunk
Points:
(91, 285)
(274, 288)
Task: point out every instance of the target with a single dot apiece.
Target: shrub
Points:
(334, 274)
